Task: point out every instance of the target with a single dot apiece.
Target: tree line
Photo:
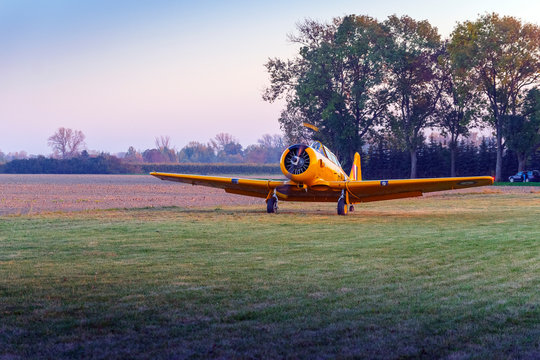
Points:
(382, 159)
(359, 79)
(70, 156)
(223, 148)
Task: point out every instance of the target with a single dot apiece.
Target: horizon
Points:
(127, 73)
(475, 137)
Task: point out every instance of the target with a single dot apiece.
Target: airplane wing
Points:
(249, 187)
(375, 190)
(360, 191)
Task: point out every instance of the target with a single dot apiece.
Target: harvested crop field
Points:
(31, 194)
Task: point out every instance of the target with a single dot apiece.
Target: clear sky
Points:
(124, 72)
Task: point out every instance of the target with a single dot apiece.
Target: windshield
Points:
(331, 156)
(316, 145)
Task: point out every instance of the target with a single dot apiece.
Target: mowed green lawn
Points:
(455, 276)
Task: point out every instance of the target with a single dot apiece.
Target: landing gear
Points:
(271, 204)
(341, 206)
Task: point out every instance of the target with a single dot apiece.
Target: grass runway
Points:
(454, 276)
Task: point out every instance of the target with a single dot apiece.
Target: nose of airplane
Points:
(296, 159)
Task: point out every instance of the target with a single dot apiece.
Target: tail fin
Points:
(356, 170)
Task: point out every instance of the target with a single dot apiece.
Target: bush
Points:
(103, 164)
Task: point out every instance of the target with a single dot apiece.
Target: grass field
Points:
(517, 184)
(454, 276)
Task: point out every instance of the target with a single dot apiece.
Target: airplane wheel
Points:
(271, 205)
(341, 206)
(511, 179)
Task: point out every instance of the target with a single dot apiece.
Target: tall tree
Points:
(290, 122)
(336, 82)
(66, 143)
(459, 105)
(415, 78)
(501, 56)
(522, 132)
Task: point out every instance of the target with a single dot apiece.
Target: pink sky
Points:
(125, 73)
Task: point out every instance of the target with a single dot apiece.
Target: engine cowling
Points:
(305, 165)
(295, 162)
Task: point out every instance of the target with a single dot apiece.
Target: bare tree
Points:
(271, 141)
(221, 140)
(163, 142)
(67, 143)
(163, 145)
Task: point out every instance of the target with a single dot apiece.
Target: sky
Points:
(125, 72)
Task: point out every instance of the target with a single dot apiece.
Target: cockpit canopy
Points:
(318, 146)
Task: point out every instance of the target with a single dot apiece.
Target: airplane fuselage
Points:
(311, 166)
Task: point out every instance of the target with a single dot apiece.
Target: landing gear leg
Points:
(271, 204)
(342, 204)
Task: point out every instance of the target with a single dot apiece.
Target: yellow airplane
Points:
(315, 175)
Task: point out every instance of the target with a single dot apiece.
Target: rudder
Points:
(356, 170)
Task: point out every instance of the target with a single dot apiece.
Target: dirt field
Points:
(29, 194)
(24, 194)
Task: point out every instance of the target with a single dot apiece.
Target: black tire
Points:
(271, 205)
(341, 207)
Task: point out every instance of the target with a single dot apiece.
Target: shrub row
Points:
(81, 165)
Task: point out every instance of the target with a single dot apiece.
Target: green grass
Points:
(508, 183)
(454, 276)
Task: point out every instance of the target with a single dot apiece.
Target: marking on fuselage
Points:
(234, 181)
(467, 183)
(384, 183)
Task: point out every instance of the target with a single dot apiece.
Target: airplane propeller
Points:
(297, 160)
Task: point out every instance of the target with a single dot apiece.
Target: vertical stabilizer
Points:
(356, 170)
